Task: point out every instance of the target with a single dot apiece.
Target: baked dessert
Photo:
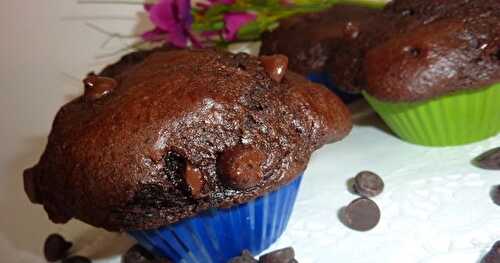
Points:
(438, 71)
(327, 46)
(176, 133)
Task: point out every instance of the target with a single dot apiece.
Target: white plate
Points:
(435, 207)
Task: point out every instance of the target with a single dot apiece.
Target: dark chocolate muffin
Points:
(330, 41)
(435, 48)
(177, 132)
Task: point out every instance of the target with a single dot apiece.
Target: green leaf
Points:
(204, 27)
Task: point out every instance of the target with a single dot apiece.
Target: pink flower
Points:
(234, 21)
(172, 20)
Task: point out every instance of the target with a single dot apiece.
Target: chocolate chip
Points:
(240, 167)
(493, 256)
(351, 30)
(76, 259)
(495, 194)
(56, 247)
(488, 160)
(284, 255)
(368, 184)
(97, 87)
(194, 179)
(275, 66)
(413, 51)
(138, 254)
(245, 257)
(407, 12)
(361, 214)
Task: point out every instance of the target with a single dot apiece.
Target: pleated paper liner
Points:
(220, 234)
(456, 119)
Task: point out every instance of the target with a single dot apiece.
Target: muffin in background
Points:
(198, 154)
(328, 47)
(435, 79)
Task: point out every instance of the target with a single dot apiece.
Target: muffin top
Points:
(315, 42)
(175, 132)
(435, 48)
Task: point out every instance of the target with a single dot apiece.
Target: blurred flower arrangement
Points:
(220, 22)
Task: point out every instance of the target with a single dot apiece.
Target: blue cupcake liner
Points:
(217, 235)
(324, 78)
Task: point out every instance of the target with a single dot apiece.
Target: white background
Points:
(435, 207)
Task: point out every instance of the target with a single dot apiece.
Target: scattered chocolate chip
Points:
(413, 51)
(138, 254)
(240, 167)
(56, 247)
(493, 256)
(351, 30)
(30, 186)
(245, 257)
(368, 184)
(275, 66)
(488, 160)
(361, 214)
(195, 181)
(495, 194)
(76, 259)
(97, 87)
(284, 255)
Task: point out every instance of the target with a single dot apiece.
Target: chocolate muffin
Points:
(176, 132)
(435, 75)
(332, 41)
(436, 47)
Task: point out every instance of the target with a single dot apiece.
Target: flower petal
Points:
(154, 35)
(174, 18)
(162, 15)
(147, 7)
(234, 21)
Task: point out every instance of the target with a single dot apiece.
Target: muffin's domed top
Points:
(435, 48)
(175, 132)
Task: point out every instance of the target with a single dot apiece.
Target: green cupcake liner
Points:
(456, 119)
